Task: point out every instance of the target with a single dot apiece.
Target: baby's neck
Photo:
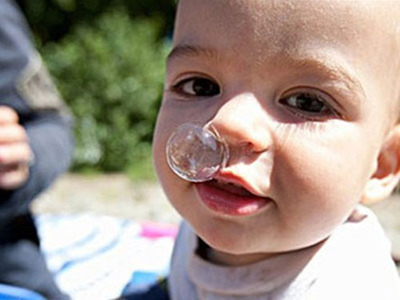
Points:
(227, 259)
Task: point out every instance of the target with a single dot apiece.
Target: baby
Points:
(305, 96)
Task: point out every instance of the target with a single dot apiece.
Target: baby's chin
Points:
(255, 247)
(232, 247)
(233, 256)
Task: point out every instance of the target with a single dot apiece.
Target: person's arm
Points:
(51, 143)
(26, 87)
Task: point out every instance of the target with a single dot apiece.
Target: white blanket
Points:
(96, 257)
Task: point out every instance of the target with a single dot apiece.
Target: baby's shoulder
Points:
(368, 283)
(356, 263)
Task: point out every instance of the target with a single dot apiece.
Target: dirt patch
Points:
(114, 195)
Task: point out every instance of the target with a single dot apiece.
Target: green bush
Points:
(51, 20)
(111, 75)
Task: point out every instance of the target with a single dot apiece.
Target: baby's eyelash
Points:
(309, 105)
(196, 87)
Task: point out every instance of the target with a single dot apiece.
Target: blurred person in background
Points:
(36, 146)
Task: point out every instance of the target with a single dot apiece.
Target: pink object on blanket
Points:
(156, 230)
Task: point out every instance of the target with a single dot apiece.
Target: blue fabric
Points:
(8, 292)
(22, 265)
(156, 291)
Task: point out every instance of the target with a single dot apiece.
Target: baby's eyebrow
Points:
(189, 50)
(332, 69)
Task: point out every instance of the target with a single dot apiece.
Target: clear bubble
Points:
(195, 153)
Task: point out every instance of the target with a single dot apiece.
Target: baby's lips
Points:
(227, 176)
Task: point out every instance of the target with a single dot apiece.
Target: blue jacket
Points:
(26, 86)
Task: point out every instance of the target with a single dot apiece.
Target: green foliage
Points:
(51, 20)
(111, 75)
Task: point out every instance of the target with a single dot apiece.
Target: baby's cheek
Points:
(319, 179)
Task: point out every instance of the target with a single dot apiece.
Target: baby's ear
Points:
(387, 174)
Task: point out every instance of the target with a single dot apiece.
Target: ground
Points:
(114, 195)
(118, 196)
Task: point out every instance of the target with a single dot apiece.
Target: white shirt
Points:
(354, 263)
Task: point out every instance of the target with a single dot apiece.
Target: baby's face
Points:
(302, 93)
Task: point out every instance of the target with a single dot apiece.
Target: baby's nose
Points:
(239, 129)
(242, 123)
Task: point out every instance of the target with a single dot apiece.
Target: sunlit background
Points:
(107, 59)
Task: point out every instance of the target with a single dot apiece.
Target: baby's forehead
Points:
(254, 30)
(383, 11)
(286, 24)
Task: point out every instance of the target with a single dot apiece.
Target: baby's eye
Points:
(197, 86)
(308, 104)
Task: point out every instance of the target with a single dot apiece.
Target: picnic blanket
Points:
(100, 257)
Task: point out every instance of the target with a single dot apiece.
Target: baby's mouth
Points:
(230, 187)
(229, 197)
